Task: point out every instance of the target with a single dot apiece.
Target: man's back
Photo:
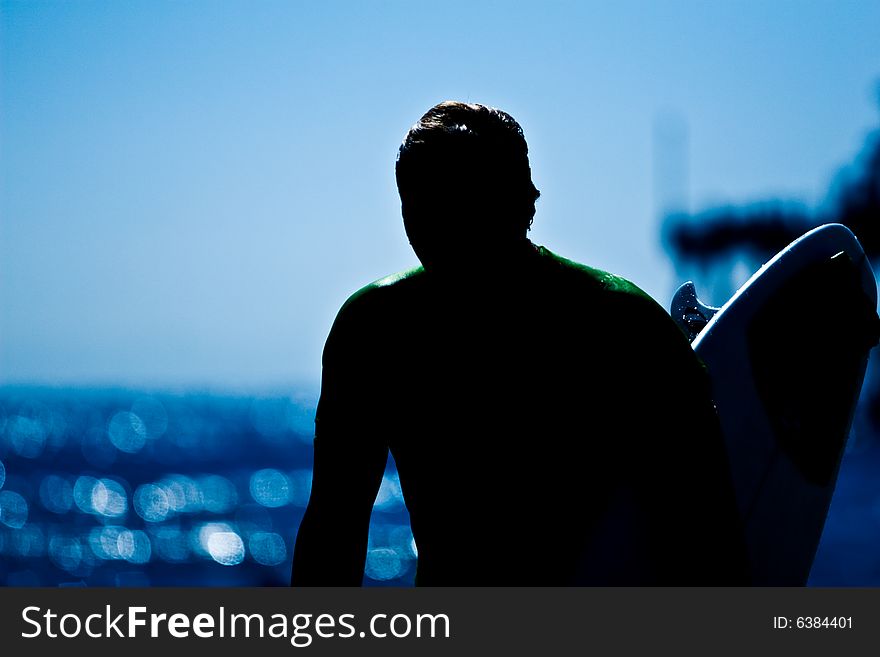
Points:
(549, 422)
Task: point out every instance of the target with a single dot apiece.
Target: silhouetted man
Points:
(550, 423)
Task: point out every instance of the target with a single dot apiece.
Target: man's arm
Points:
(350, 458)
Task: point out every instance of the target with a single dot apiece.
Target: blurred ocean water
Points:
(126, 488)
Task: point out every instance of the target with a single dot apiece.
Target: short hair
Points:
(485, 140)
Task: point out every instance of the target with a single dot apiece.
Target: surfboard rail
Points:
(787, 355)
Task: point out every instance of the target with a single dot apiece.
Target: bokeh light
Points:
(184, 496)
(28, 541)
(104, 541)
(390, 496)
(267, 548)
(109, 498)
(151, 503)
(196, 493)
(56, 494)
(82, 493)
(201, 534)
(383, 564)
(270, 488)
(127, 432)
(13, 509)
(218, 494)
(134, 546)
(66, 552)
(226, 548)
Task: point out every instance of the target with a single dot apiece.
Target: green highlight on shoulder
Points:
(608, 281)
(395, 278)
(603, 280)
(387, 281)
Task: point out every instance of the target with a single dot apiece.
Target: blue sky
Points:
(190, 190)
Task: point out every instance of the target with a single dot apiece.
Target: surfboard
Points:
(787, 356)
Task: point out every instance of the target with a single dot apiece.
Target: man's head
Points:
(465, 183)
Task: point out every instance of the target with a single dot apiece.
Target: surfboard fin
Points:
(689, 312)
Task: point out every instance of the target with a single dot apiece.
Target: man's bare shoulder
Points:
(633, 310)
(371, 311)
(374, 296)
(612, 284)
(401, 282)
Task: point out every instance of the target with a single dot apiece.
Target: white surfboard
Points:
(787, 357)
